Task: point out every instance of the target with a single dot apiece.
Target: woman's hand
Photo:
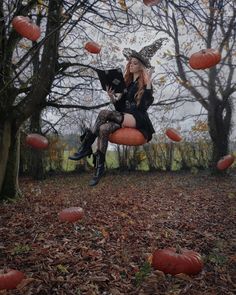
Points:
(111, 94)
(149, 73)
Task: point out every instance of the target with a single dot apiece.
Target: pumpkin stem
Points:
(178, 249)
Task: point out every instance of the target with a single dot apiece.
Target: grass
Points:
(68, 165)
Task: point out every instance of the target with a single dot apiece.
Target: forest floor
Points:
(126, 217)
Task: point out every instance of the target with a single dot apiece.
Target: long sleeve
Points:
(120, 104)
(146, 100)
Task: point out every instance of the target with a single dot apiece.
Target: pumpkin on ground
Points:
(26, 28)
(71, 214)
(225, 162)
(127, 136)
(92, 47)
(171, 261)
(11, 279)
(37, 141)
(204, 59)
(173, 134)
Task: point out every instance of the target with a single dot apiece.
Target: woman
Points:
(130, 111)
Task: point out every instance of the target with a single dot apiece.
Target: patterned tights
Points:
(106, 123)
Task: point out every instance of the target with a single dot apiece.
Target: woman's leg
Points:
(104, 116)
(104, 131)
(99, 160)
(129, 121)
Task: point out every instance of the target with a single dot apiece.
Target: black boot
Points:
(100, 168)
(85, 147)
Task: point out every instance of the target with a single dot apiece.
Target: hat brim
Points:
(142, 59)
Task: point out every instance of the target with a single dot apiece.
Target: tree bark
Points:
(36, 166)
(5, 141)
(11, 155)
(219, 120)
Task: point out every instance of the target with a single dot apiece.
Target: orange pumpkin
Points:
(71, 214)
(225, 162)
(171, 261)
(205, 58)
(37, 141)
(127, 136)
(151, 2)
(11, 279)
(92, 47)
(26, 28)
(173, 134)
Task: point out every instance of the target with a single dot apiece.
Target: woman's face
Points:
(135, 65)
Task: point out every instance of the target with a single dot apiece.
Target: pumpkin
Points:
(225, 162)
(173, 134)
(151, 2)
(171, 261)
(205, 58)
(92, 47)
(11, 279)
(26, 28)
(71, 214)
(37, 141)
(127, 136)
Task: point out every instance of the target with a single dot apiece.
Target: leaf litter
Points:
(127, 216)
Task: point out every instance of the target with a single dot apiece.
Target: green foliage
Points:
(21, 249)
(144, 271)
(62, 268)
(217, 258)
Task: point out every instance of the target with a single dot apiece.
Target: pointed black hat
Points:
(146, 53)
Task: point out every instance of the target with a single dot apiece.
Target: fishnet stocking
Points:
(107, 116)
(104, 131)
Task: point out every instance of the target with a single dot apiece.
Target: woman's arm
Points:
(146, 99)
(116, 99)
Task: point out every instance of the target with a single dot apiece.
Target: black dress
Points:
(127, 104)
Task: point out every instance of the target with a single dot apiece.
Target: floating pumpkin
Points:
(71, 214)
(92, 47)
(37, 141)
(127, 136)
(173, 134)
(225, 162)
(26, 28)
(205, 58)
(151, 2)
(11, 279)
(171, 261)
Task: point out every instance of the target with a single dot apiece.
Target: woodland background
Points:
(163, 194)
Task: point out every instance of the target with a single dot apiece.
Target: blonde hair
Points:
(142, 81)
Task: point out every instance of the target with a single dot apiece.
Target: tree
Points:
(30, 70)
(194, 25)
(13, 110)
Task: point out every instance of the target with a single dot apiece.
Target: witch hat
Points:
(146, 53)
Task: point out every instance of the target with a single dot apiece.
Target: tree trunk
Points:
(10, 163)
(150, 151)
(169, 156)
(5, 141)
(219, 118)
(36, 164)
